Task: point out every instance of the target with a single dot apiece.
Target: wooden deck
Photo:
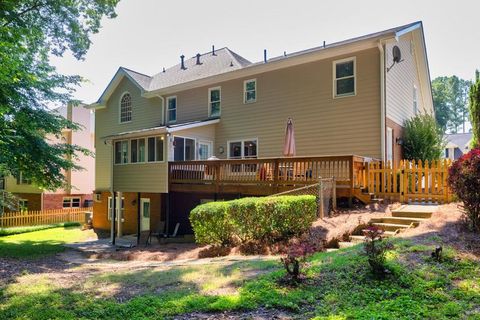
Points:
(264, 176)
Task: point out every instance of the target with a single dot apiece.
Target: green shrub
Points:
(211, 223)
(422, 138)
(261, 219)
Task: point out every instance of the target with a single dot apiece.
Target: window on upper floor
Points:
(121, 152)
(172, 109)
(344, 78)
(22, 180)
(214, 98)
(415, 100)
(250, 91)
(126, 108)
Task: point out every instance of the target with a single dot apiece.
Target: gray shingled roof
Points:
(459, 139)
(142, 79)
(223, 61)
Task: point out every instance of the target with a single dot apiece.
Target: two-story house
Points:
(79, 184)
(155, 134)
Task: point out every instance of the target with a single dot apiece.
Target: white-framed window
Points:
(121, 152)
(172, 109)
(23, 205)
(344, 83)
(243, 149)
(126, 108)
(415, 100)
(205, 149)
(184, 148)
(155, 147)
(110, 209)
(214, 101)
(250, 91)
(22, 180)
(137, 150)
(71, 202)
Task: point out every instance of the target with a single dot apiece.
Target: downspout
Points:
(381, 45)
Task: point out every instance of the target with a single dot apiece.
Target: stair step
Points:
(390, 226)
(399, 220)
(411, 214)
(357, 239)
(344, 244)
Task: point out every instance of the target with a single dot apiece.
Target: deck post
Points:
(334, 194)
(139, 218)
(320, 198)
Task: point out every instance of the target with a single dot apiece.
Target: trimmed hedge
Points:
(264, 219)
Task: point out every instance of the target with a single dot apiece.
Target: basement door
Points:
(145, 214)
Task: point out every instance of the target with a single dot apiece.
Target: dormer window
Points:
(126, 108)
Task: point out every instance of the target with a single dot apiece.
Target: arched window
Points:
(126, 108)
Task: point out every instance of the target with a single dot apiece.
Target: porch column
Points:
(119, 214)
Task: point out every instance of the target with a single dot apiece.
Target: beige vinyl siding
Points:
(145, 177)
(193, 104)
(400, 81)
(12, 186)
(323, 125)
(146, 113)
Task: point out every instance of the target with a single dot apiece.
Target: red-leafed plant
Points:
(375, 248)
(464, 179)
(295, 258)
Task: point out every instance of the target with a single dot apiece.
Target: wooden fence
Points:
(408, 181)
(35, 218)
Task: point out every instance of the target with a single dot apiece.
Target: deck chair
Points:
(159, 232)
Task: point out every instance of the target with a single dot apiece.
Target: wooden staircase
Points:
(407, 216)
(366, 197)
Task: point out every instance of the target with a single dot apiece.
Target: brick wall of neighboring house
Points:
(55, 200)
(397, 133)
(34, 200)
(130, 213)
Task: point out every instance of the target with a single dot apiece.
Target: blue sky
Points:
(148, 35)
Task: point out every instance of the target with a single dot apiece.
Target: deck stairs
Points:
(405, 217)
(366, 197)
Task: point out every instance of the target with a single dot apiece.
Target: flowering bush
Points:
(375, 248)
(295, 258)
(464, 179)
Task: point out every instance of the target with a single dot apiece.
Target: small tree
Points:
(375, 248)
(464, 179)
(474, 107)
(423, 138)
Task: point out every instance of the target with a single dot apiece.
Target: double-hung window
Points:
(121, 152)
(110, 209)
(250, 91)
(344, 77)
(155, 149)
(184, 149)
(71, 202)
(214, 98)
(243, 149)
(137, 150)
(172, 109)
(126, 108)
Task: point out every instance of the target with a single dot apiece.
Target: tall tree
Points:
(30, 31)
(450, 99)
(474, 107)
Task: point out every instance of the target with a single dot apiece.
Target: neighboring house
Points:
(344, 98)
(457, 145)
(81, 183)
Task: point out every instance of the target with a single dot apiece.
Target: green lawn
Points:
(340, 286)
(40, 243)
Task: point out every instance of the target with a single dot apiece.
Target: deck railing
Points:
(275, 174)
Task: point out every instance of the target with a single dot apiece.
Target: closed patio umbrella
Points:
(289, 144)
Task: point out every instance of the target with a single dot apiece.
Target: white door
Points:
(204, 150)
(145, 214)
(389, 144)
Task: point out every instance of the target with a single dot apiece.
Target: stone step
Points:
(399, 220)
(344, 244)
(390, 226)
(411, 214)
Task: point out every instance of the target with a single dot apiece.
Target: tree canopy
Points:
(474, 107)
(450, 99)
(31, 31)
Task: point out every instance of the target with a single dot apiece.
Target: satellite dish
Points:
(397, 57)
(397, 54)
